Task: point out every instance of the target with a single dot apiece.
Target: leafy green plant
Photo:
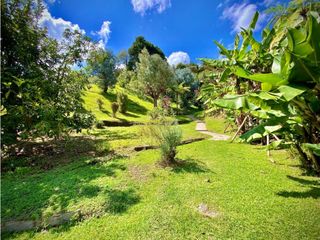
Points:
(122, 100)
(115, 108)
(279, 81)
(41, 94)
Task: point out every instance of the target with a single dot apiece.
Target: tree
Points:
(40, 93)
(154, 75)
(186, 85)
(138, 45)
(123, 57)
(103, 64)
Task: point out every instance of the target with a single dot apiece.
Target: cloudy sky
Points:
(183, 29)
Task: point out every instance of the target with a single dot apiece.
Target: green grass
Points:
(254, 198)
(218, 125)
(137, 108)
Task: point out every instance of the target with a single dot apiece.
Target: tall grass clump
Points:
(167, 136)
(170, 138)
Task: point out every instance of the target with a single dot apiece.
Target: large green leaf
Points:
(254, 20)
(271, 78)
(259, 132)
(223, 50)
(290, 92)
(315, 148)
(225, 74)
(235, 102)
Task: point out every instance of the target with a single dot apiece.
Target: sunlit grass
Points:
(254, 198)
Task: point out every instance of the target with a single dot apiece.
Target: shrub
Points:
(114, 107)
(122, 100)
(100, 104)
(170, 138)
(166, 136)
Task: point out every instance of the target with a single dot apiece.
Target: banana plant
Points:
(285, 63)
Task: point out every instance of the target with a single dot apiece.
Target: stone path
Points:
(201, 127)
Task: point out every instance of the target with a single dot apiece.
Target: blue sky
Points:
(184, 28)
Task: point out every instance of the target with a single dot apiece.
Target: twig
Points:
(234, 136)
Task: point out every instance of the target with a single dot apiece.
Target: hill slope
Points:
(137, 108)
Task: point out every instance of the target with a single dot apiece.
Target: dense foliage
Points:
(275, 82)
(186, 86)
(138, 45)
(40, 91)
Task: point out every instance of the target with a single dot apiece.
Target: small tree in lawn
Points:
(154, 76)
(114, 107)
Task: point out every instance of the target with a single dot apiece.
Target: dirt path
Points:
(201, 127)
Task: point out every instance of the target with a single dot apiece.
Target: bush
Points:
(100, 104)
(170, 138)
(122, 100)
(115, 107)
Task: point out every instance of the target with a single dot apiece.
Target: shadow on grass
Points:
(312, 192)
(190, 166)
(46, 155)
(63, 187)
(114, 135)
(127, 114)
(119, 201)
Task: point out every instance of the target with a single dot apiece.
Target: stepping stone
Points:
(201, 126)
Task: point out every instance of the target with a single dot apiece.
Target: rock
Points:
(59, 219)
(18, 226)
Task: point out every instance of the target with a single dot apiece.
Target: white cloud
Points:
(219, 5)
(56, 26)
(241, 14)
(178, 57)
(105, 31)
(120, 66)
(142, 6)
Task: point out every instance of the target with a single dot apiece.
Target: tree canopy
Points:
(154, 75)
(138, 45)
(41, 93)
(102, 63)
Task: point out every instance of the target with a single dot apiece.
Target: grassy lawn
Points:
(136, 199)
(218, 125)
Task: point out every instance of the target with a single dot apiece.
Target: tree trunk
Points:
(155, 102)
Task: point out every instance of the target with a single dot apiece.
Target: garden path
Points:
(201, 127)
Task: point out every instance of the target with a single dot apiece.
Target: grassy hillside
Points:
(137, 108)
